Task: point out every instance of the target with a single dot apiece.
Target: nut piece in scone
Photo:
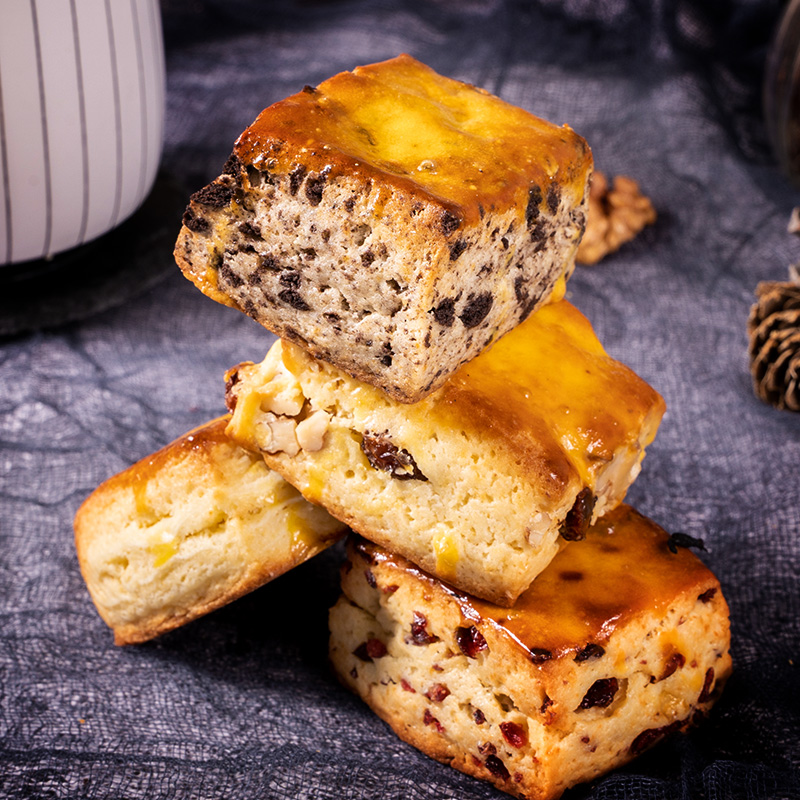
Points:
(189, 529)
(477, 483)
(390, 221)
(618, 643)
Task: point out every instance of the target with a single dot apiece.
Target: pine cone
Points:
(774, 329)
(614, 216)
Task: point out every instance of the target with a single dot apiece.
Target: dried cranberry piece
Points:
(407, 686)
(590, 651)
(705, 694)
(391, 589)
(370, 650)
(471, 641)
(601, 693)
(419, 631)
(437, 692)
(574, 527)
(497, 768)
(514, 734)
(383, 455)
(429, 719)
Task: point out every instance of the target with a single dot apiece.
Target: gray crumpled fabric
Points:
(242, 703)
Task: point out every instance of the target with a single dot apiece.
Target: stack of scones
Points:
(433, 397)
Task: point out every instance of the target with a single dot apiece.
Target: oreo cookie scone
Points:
(621, 641)
(189, 529)
(390, 221)
(523, 446)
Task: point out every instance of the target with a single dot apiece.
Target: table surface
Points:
(100, 367)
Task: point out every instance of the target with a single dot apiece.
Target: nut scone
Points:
(189, 529)
(476, 483)
(622, 640)
(390, 221)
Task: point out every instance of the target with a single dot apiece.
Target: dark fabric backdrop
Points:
(108, 360)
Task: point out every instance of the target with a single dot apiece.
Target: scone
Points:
(619, 642)
(527, 442)
(188, 529)
(390, 221)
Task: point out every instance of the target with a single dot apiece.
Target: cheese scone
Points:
(189, 529)
(528, 442)
(390, 221)
(619, 642)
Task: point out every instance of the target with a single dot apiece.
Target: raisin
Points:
(497, 768)
(601, 693)
(371, 578)
(707, 595)
(362, 548)
(532, 210)
(370, 650)
(419, 631)
(546, 703)
(293, 298)
(648, 738)
(391, 588)
(449, 222)
(478, 716)
(674, 662)
(476, 309)
(679, 539)
(487, 749)
(705, 694)
(471, 641)
(445, 312)
(590, 651)
(457, 248)
(429, 719)
(437, 692)
(231, 379)
(577, 521)
(194, 222)
(514, 734)
(539, 655)
(382, 454)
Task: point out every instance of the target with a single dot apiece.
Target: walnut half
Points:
(616, 215)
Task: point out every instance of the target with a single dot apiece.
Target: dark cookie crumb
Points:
(445, 312)
(249, 229)
(367, 258)
(194, 222)
(457, 248)
(229, 277)
(290, 278)
(296, 178)
(553, 198)
(532, 210)
(315, 186)
(293, 298)
(449, 222)
(215, 195)
(233, 166)
(476, 309)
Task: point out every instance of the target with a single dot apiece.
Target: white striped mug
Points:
(81, 119)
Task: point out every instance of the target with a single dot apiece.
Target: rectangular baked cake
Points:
(189, 529)
(480, 481)
(390, 221)
(622, 640)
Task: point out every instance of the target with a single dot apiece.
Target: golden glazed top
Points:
(548, 387)
(413, 129)
(621, 570)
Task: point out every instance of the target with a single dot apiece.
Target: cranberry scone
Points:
(390, 221)
(623, 639)
(477, 483)
(189, 529)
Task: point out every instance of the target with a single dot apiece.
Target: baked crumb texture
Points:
(479, 482)
(391, 221)
(190, 529)
(617, 644)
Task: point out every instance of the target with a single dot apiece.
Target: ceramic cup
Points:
(81, 119)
